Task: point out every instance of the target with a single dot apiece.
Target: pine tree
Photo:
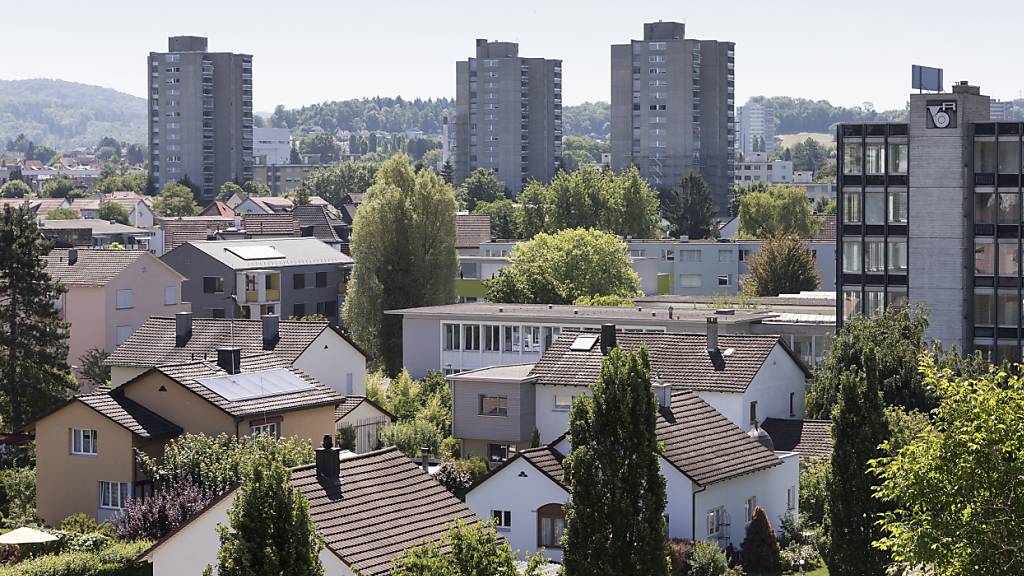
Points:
(447, 172)
(270, 532)
(33, 339)
(858, 428)
(690, 209)
(616, 519)
(760, 548)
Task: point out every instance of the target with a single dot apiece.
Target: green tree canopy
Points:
(809, 155)
(559, 268)
(176, 200)
(689, 209)
(954, 506)
(505, 215)
(616, 518)
(112, 212)
(333, 183)
(135, 182)
(481, 186)
(581, 150)
(403, 244)
(466, 550)
(638, 212)
(59, 187)
(63, 214)
(322, 144)
(15, 189)
(34, 376)
(783, 265)
(780, 209)
(227, 190)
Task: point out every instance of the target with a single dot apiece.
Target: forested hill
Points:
(67, 115)
(386, 114)
(795, 115)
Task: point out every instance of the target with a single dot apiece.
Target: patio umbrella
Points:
(26, 535)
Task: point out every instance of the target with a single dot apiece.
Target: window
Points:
(321, 279)
(852, 158)
(550, 525)
(497, 452)
(124, 298)
(753, 412)
(874, 256)
(1009, 308)
(725, 280)
(563, 402)
(668, 255)
(874, 159)
(690, 281)
(985, 208)
(511, 339)
(1008, 264)
(716, 521)
(83, 442)
(268, 428)
(123, 332)
(748, 508)
(170, 295)
(851, 303)
(984, 259)
(213, 284)
(725, 256)
(493, 405)
(472, 333)
(897, 207)
(792, 404)
(874, 208)
(502, 519)
(691, 255)
(298, 281)
(451, 337)
(113, 495)
(898, 159)
(298, 310)
(984, 309)
(791, 498)
(531, 338)
(492, 338)
(985, 157)
(873, 302)
(1009, 157)
(216, 312)
(897, 255)
(851, 207)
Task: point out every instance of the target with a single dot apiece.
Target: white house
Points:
(366, 418)
(716, 476)
(369, 508)
(315, 347)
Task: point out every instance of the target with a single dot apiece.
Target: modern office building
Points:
(672, 108)
(757, 128)
(508, 115)
(930, 214)
(272, 146)
(200, 115)
(1000, 111)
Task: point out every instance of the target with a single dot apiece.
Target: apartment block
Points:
(508, 115)
(271, 146)
(672, 108)
(757, 129)
(200, 115)
(757, 168)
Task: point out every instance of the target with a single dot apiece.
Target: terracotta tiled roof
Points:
(131, 415)
(384, 505)
(153, 343)
(258, 224)
(681, 360)
(811, 438)
(93, 268)
(316, 216)
(188, 375)
(217, 208)
(471, 230)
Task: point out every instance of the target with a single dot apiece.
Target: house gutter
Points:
(693, 512)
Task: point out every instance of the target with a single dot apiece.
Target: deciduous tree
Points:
(466, 550)
(505, 215)
(63, 214)
(112, 212)
(481, 186)
(15, 189)
(782, 266)
(176, 200)
(322, 144)
(638, 206)
(779, 209)
(333, 183)
(227, 190)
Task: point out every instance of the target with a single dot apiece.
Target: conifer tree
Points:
(760, 547)
(616, 519)
(33, 339)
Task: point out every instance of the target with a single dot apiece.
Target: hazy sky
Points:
(305, 52)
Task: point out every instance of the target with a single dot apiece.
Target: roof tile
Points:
(131, 415)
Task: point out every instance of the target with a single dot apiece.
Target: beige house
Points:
(85, 450)
(110, 293)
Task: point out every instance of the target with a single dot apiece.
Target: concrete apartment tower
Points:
(929, 214)
(672, 108)
(200, 106)
(508, 115)
(756, 125)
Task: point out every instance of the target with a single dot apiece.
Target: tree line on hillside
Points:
(795, 115)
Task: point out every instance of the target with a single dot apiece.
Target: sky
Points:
(304, 51)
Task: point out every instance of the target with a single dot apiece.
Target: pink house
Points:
(110, 293)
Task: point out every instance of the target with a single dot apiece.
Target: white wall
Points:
(679, 489)
(335, 364)
(521, 495)
(553, 423)
(121, 374)
(779, 377)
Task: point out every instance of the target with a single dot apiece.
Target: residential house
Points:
(471, 230)
(138, 207)
(368, 509)
(250, 278)
(88, 207)
(182, 229)
(97, 234)
(218, 208)
(809, 438)
(264, 204)
(716, 475)
(745, 378)
(110, 293)
(85, 464)
(366, 418)
(313, 346)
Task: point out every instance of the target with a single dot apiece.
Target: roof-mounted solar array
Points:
(262, 384)
(583, 343)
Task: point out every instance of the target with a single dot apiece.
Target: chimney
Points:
(607, 338)
(712, 334)
(425, 459)
(328, 461)
(270, 330)
(663, 391)
(182, 328)
(238, 222)
(72, 256)
(229, 359)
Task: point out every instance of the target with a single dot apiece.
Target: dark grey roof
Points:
(315, 215)
(547, 460)
(471, 230)
(188, 375)
(352, 402)
(681, 360)
(178, 231)
(153, 343)
(811, 438)
(131, 415)
(273, 224)
(296, 252)
(93, 268)
(385, 504)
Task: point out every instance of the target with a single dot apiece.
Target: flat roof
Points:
(96, 225)
(511, 372)
(587, 314)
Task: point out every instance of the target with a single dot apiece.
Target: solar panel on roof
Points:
(255, 252)
(583, 343)
(262, 384)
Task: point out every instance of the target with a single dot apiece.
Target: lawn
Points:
(788, 140)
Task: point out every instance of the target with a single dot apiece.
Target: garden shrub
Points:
(707, 559)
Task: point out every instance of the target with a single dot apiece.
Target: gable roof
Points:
(384, 505)
(471, 230)
(270, 224)
(315, 215)
(546, 459)
(132, 416)
(296, 251)
(189, 375)
(681, 360)
(178, 231)
(93, 268)
(217, 208)
(352, 402)
(811, 438)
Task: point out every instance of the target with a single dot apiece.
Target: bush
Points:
(707, 559)
(814, 479)
(760, 550)
(18, 494)
(678, 555)
(347, 437)
(410, 436)
(456, 479)
(117, 559)
(154, 517)
(791, 555)
(476, 466)
(84, 524)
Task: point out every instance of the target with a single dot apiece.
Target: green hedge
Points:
(116, 560)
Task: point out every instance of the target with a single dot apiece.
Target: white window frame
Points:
(749, 505)
(716, 517)
(83, 442)
(562, 406)
(502, 520)
(268, 428)
(727, 278)
(170, 295)
(452, 334)
(113, 495)
(125, 299)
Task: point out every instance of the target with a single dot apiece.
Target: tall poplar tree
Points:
(403, 244)
(34, 374)
(639, 210)
(616, 519)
